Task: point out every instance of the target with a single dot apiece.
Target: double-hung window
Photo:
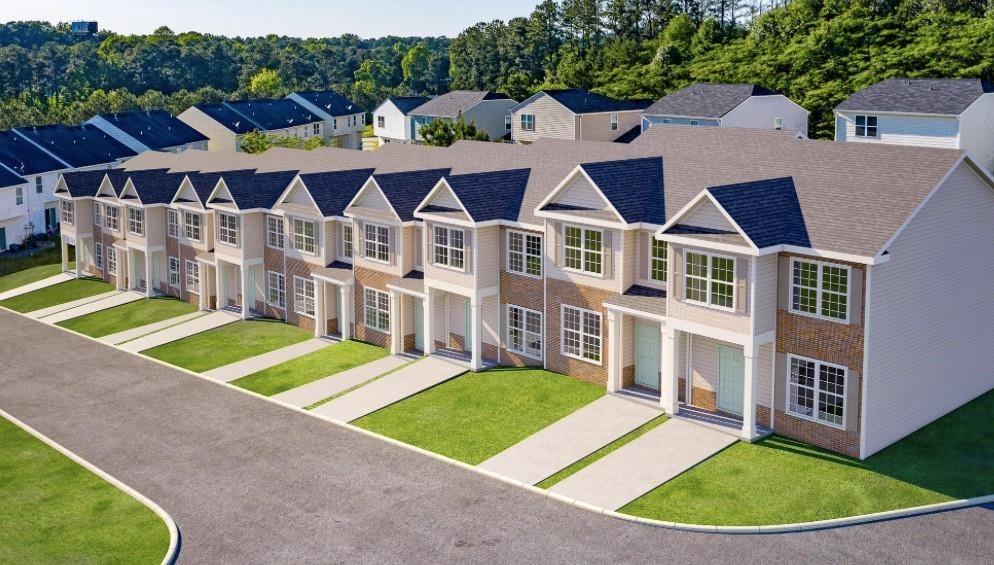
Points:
(192, 276)
(98, 216)
(68, 212)
(381, 121)
(276, 289)
(303, 296)
(524, 253)
(191, 225)
(614, 122)
(524, 331)
(274, 232)
(316, 128)
(19, 196)
(112, 215)
(581, 334)
(866, 126)
(227, 228)
(508, 120)
(172, 223)
(111, 259)
(817, 390)
(98, 256)
(820, 289)
(377, 309)
(528, 122)
(657, 260)
(173, 272)
(710, 280)
(347, 240)
(303, 235)
(136, 221)
(584, 250)
(378, 243)
(449, 247)
(39, 187)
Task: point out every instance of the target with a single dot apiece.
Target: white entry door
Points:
(647, 355)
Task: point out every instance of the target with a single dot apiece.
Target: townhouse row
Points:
(830, 293)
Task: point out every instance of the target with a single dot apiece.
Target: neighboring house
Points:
(226, 123)
(951, 113)
(390, 119)
(727, 106)
(487, 109)
(150, 130)
(791, 289)
(343, 118)
(28, 205)
(12, 225)
(574, 114)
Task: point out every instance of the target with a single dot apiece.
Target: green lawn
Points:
(229, 344)
(38, 257)
(29, 275)
(602, 452)
(128, 316)
(57, 294)
(478, 415)
(779, 481)
(311, 367)
(54, 511)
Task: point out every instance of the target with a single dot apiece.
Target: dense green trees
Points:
(443, 133)
(259, 142)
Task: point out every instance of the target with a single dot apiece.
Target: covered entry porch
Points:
(333, 288)
(237, 285)
(461, 325)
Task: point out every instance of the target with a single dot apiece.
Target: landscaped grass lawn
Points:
(779, 481)
(229, 344)
(29, 275)
(57, 294)
(311, 367)
(38, 257)
(478, 415)
(54, 511)
(128, 316)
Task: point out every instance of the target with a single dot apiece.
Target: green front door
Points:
(3, 239)
(647, 355)
(419, 325)
(730, 376)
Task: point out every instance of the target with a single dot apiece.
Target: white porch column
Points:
(749, 353)
(429, 308)
(65, 254)
(149, 283)
(614, 346)
(669, 385)
(396, 324)
(203, 297)
(222, 288)
(476, 320)
(246, 278)
(80, 257)
(320, 309)
(345, 312)
(119, 271)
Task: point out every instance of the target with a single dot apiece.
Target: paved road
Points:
(250, 482)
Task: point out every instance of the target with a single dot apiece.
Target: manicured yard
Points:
(29, 275)
(229, 344)
(57, 294)
(311, 367)
(39, 257)
(54, 511)
(780, 481)
(127, 316)
(478, 415)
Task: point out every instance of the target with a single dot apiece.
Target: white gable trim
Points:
(129, 189)
(291, 187)
(440, 186)
(370, 184)
(578, 170)
(221, 188)
(186, 184)
(105, 186)
(692, 205)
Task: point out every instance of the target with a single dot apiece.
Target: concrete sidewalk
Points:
(174, 333)
(38, 314)
(251, 365)
(140, 331)
(392, 388)
(644, 464)
(97, 306)
(327, 387)
(570, 439)
(37, 285)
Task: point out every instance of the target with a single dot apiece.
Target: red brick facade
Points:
(526, 292)
(376, 280)
(559, 293)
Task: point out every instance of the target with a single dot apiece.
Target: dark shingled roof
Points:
(331, 102)
(630, 135)
(257, 190)
(921, 96)
(491, 195)
(274, 114)
(8, 178)
(706, 100)
(633, 186)
(407, 103)
(204, 183)
(768, 211)
(451, 104)
(81, 184)
(156, 129)
(332, 191)
(80, 146)
(23, 157)
(580, 101)
(156, 186)
(228, 118)
(405, 190)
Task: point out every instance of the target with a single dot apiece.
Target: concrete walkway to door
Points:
(174, 333)
(37, 285)
(258, 363)
(95, 306)
(644, 464)
(392, 388)
(318, 390)
(570, 439)
(48, 311)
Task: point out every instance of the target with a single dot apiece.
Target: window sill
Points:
(813, 420)
(584, 359)
(844, 321)
(710, 306)
(523, 354)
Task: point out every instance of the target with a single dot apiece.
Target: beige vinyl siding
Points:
(767, 275)
(929, 314)
(487, 247)
(759, 112)
(253, 234)
(373, 199)
(140, 240)
(628, 259)
(440, 324)
(155, 226)
(395, 266)
(552, 119)
(318, 258)
(764, 375)
(597, 127)
(219, 137)
(491, 320)
(446, 199)
(463, 277)
(627, 341)
(457, 314)
(409, 254)
(582, 194)
(898, 129)
(206, 242)
(707, 215)
(330, 242)
(676, 307)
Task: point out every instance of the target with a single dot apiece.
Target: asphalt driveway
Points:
(250, 482)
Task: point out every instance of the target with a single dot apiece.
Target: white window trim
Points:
(583, 251)
(366, 305)
(297, 302)
(236, 229)
(524, 254)
(111, 258)
(666, 271)
(614, 122)
(448, 246)
(817, 391)
(188, 226)
(172, 223)
(313, 238)
(139, 221)
(818, 290)
(524, 331)
(194, 286)
(350, 240)
(365, 240)
(170, 272)
(279, 233)
(582, 332)
(866, 126)
(67, 212)
(711, 257)
(281, 292)
(112, 218)
(521, 121)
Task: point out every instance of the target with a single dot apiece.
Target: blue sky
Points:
(301, 18)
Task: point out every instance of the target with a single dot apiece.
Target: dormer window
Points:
(583, 250)
(377, 243)
(866, 126)
(710, 280)
(449, 250)
(136, 221)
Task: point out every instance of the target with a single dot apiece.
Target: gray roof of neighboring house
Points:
(451, 104)
(706, 100)
(580, 101)
(918, 96)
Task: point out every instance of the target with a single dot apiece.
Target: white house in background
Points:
(489, 110)
(150, 130)
(343, 118)
(727, 106)
(390, 119)
(951, 113)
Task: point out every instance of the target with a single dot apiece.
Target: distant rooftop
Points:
(156, 129)
(407, 103)
(580, 101)
(25, 158)
(451, 104)
(80, 146)
(706, 100)
(332, 102)
(272, 114)
(919, 96)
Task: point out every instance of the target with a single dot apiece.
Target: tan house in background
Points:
(574, 114)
